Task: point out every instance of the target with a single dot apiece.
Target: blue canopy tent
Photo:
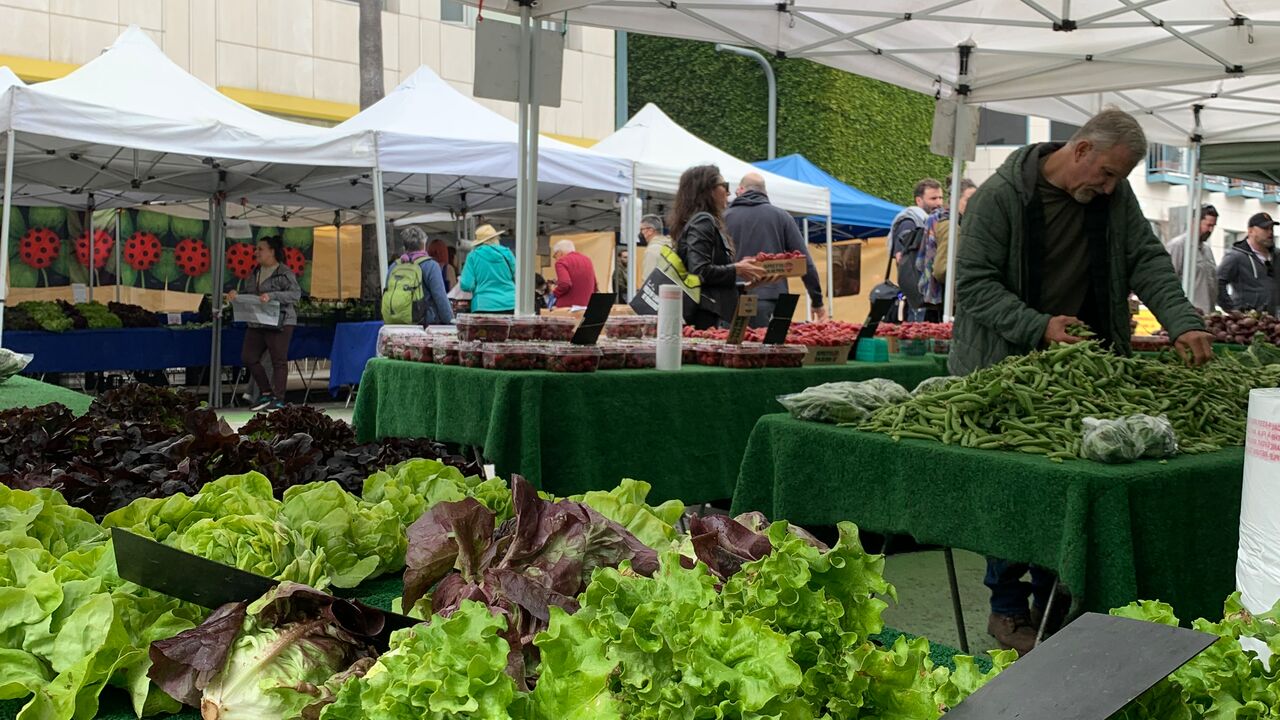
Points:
(854, 214)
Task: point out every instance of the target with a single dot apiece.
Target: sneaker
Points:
(263, 403)
(1012, 632)
(278, 404)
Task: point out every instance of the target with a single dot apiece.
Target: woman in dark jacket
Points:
(273, 280)
(703, 244)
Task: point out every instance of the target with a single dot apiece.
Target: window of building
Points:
(1061, 132)
(998, 128)
(452, 11)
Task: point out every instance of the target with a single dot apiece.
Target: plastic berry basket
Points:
(556, 329)
(626, 327)
(642, 356)
(446, 352)
(708, 354)
(786, 356)
(742, 357)
(418, 348)
(470, 354)
(573, 359)
(613, 356)
(392, 339)
(525, 329)
(484, 328)
(513, 356)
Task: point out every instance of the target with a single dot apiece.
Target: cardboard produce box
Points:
(792, 267)
(823, 355)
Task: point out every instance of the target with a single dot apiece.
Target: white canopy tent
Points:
(661, 150)
(130, 128)
(1028, 57)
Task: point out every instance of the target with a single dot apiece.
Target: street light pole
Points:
(773, 90)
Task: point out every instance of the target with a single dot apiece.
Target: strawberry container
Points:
(625, 327)
(446, 352)
(940, 346)
(513, 356)
(557, 329)
(786, 355)
(525, 329)
(642, 356)
(744, 357)
(613, 355)
(708, 354)
(392, 339)
(485, 328)
(573, 358)
(470, 354)
(915, 347)
(418, 348)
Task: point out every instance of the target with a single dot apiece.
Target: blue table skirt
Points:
(149, 348)
(353, 344)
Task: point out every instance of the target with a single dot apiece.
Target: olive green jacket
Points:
(993, 318)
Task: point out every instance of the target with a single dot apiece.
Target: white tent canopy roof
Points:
(1076, 55)
(662, 150)
(133, 127)
(440, 149)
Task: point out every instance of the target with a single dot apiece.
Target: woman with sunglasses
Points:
(703, 244)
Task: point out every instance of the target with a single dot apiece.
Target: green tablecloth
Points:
(19, 391)
(684, 432)
(1114, 533)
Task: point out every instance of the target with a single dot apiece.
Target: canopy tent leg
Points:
(4, 223)
(337, 234)
(957, 168)
(831, 272)
(118, 252)
(91, 265)
(804, 230)
(1191, 247)
(380, 215)
(630, 230)
(527, 175)
(217, 232)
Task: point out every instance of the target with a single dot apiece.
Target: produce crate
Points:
(828, 355)
(791, 267)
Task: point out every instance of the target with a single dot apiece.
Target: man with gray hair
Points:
(1053, 240)
(575, 275)
(757, 226)
(654, 239)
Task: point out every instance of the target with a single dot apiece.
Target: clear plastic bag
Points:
(12, 363)
(934, 384)
(1126, 439)
(843, 402)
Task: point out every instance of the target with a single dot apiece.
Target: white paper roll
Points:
(1258, 560)
(670, 325)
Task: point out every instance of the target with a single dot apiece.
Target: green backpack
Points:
(404, 300)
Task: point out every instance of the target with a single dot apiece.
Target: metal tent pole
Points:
(4, 224)
(217, 233)
(831, 272)
(526, 176)
(380, 214)
(91, 263)
(117, 251)
(804, 229)
(337, 233)
(1192, 246)
(773, 90)
(957, 168)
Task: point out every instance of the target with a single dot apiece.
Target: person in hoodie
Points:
(1246, 276)
(437, 310)
(757, 226)
(1057, 238)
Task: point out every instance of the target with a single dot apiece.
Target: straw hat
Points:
(484, 234)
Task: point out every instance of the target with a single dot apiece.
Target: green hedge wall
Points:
(867, 133)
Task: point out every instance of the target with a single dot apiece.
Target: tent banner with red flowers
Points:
(49, 247)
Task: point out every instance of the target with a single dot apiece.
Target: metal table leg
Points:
(956, 608)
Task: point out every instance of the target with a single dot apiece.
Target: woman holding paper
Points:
(272, 281)
(704, 245)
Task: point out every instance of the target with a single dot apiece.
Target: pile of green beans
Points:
(1037, 403)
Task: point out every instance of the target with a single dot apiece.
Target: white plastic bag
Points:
(12, 363)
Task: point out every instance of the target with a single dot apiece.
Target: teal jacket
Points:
(489, 274)
(994, 274)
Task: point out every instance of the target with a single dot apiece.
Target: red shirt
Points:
(575, 280)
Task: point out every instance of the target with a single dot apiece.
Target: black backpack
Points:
(908, 275)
